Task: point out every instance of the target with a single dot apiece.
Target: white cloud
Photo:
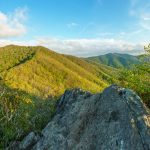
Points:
(82, 47)
(140, 10)
(72, 25)
(21, 43)
(12, 25)
(146, 18)
(90, 47)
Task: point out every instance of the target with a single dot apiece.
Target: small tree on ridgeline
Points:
(147, 49)
(138, 78)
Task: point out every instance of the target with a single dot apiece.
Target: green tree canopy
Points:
(137, 78)
(147, 49)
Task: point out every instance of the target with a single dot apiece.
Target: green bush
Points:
(138, 79)
(21, 113)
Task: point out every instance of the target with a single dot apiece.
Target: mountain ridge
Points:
(58, 70)
(116, 60)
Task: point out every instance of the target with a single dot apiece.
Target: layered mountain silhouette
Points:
(116, 60)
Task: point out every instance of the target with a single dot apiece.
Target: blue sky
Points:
(78, 27)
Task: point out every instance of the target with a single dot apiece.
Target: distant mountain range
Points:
(118, 60)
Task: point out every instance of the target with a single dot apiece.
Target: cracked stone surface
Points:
(115, 119)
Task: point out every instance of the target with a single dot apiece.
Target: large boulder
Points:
(113, 120)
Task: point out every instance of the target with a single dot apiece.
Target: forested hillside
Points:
(20, 113)
(116, 60)
(33, 78)
(31, 81)
(42, 72)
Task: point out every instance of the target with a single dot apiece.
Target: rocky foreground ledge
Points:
(113, 120)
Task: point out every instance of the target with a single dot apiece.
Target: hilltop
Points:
(43, 72)
(116, 60)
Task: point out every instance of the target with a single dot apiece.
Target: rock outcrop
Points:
(113, 120)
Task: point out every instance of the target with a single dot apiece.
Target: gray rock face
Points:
(113, 120)
(28, 141)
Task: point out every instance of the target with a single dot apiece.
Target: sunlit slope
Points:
(46, 73)
(116, 60)
(11, 56)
